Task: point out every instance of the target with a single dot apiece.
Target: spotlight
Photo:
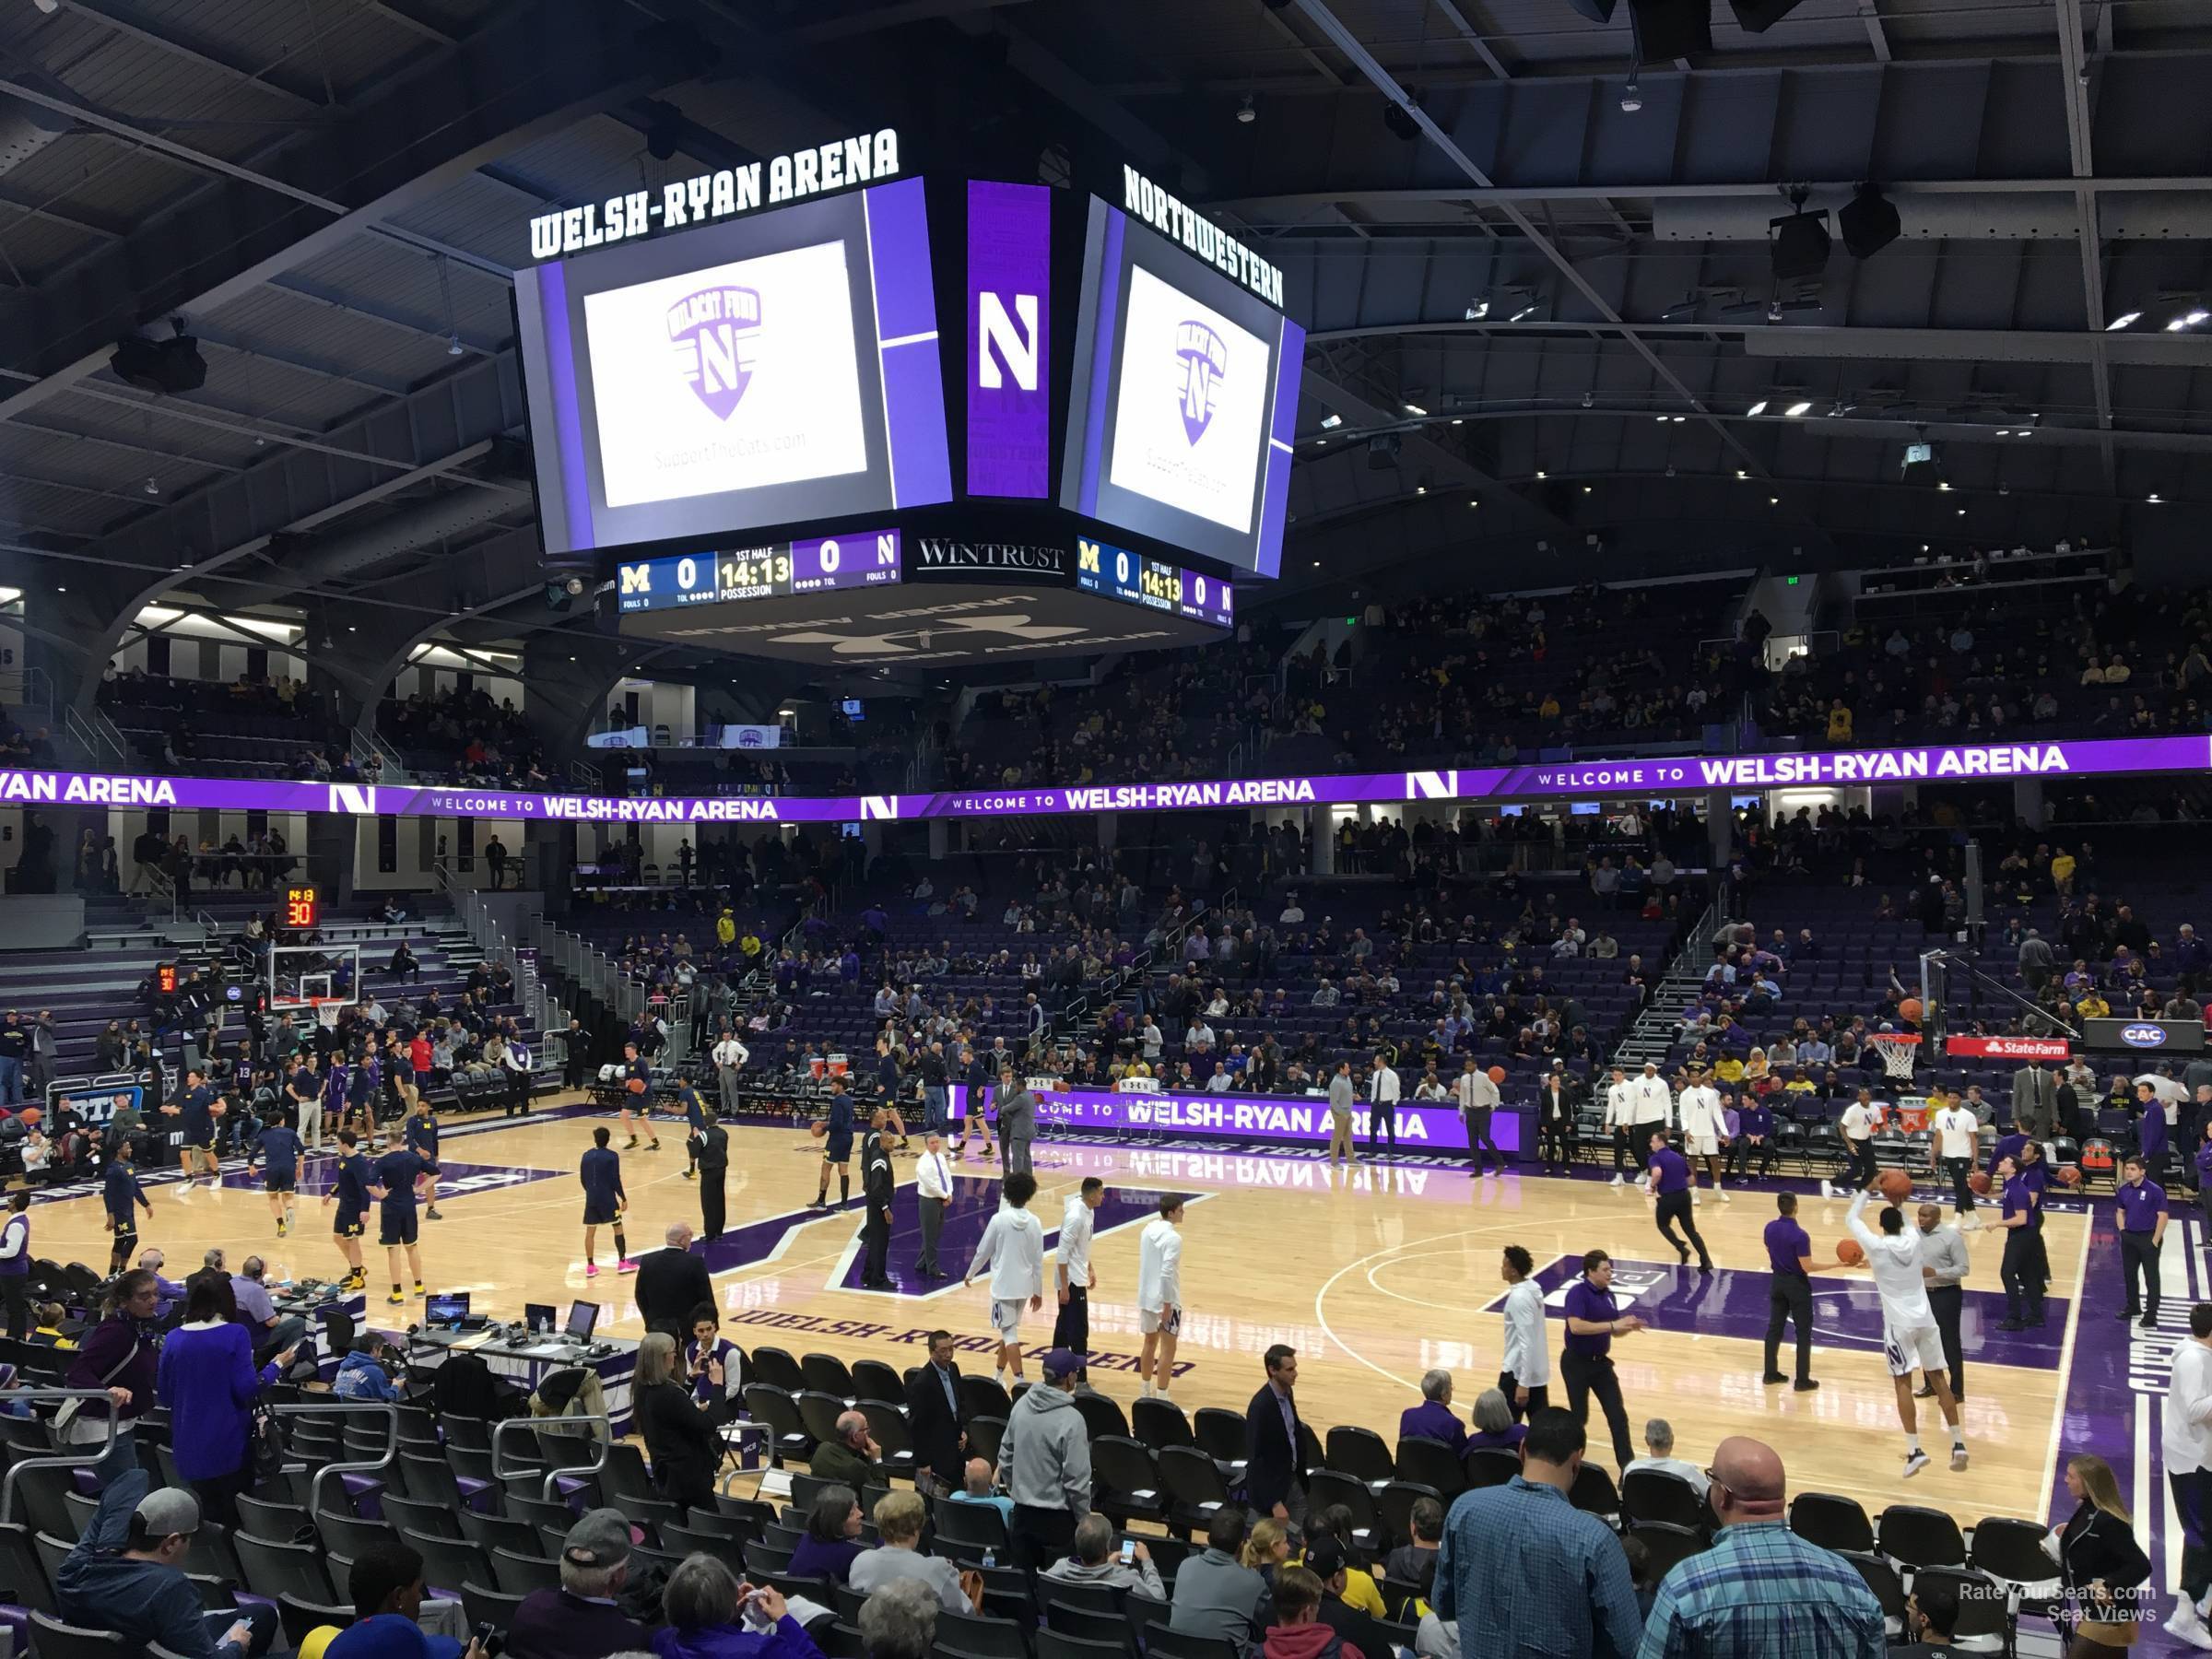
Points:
(1400, 121)
(153, 485)
(1329, 423)
(1758, 408)
(1588, 399)
(2123, 320)
(1526, 310)
(1869, 222)
(2153, 498)
(452, 345)
(1477, 312)
(1245, 112)
(1631, 99)
(1414, 408)
(1796, 409)
(1420, 489)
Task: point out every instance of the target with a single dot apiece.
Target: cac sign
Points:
(2169, 1036)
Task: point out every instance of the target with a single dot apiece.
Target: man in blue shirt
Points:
(278, 1152)
(420, 1133)
(349, 1192)
(694, 1111)
(637, 1086)
(1522, 1571)
(364, 1081)
(2026, 1269)
(1760, 1589)
(604, 1201)
(1754, 1133)
(1789, 1291)
(2141, 1207)
(126, 1574)
(1670, 1186)
(195, 1113)
(395, 1184)
(120, 1191)
(304, 1090)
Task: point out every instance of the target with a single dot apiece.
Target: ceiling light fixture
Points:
(1526, 310)
(1679, 419)
(1796, 409)
(1631, 99)
(1414, 408)
(1758, 408)
(1944, 484)
(1541, 473)
(2123, 320)
(2153, 498)
(153, 485)
(1420, 489)
(1477, 312)
(1329, 423)
(1741, 475)
(1245, 112)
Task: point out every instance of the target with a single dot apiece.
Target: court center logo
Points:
(1204, 358)
(714, 335)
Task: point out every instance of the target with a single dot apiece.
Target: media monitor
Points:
(1183, 401)
(537, 1318)
(764, 370)
(582, 1316)
(447, 1308)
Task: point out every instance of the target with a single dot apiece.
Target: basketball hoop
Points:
(326, 1010)
(1897, 1050)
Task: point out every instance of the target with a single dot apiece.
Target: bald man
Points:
(1761, 1590)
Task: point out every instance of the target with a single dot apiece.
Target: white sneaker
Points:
(1828, 1189)
(1144, 1393)
(1616, 1180)
(1957, 1458)
(2189, 1626)
(1915, 1463)
(1971, 1223)
(1724, 1192)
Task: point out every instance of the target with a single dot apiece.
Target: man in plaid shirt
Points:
(1760, 1591)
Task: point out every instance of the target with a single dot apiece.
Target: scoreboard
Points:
(303, 907)
(1138, 579)
(819, 564)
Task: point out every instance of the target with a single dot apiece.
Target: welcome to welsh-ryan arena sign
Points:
(1543, 780)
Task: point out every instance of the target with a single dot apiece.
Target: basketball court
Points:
(1375, 1274)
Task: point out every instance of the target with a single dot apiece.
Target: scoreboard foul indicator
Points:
(1138, 579)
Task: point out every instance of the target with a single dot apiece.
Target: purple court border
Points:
(1588, 780)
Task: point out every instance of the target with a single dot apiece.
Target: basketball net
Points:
(326, 1011)
(1897, 1050)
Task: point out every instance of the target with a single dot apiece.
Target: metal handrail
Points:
(60, 1460)
(326, 1408)
(601, 1441)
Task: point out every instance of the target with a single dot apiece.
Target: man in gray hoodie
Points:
(1044, 1460)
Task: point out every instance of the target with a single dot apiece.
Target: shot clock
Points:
(302, 907)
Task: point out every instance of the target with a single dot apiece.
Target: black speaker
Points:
(1382, 452)
(1755, 16)
(1868, 221)
(1597, 11)
(160, 366)
(1667, 29)
(1801, 246)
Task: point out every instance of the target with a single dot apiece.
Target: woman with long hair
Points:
(683, 1436)
(2101, 1565)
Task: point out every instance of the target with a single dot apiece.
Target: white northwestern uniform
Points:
(1527, 1358)
(1076, 1224)
(1909, 1335)
(1651, 1102)
(2186, 1436)
(1619, 1104)
(1702, 1124)
(1957, 1133)
(1158, 1272)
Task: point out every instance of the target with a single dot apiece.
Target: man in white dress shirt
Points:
(1013, 1248)
(1478, 1098)
(2186, 1440)
(1525, 1378)
(933, 1187)
(1383, 1093)
(1159, 1296)
(1071, 1326)
(729, 1057)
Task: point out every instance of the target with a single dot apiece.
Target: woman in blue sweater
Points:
(208, 1383)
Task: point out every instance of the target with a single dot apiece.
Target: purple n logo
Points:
(1204, 362)
(713, 332)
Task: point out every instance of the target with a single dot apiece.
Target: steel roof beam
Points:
(2075, 69)
(128, 20)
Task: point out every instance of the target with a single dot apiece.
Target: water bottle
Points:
(990, 1558)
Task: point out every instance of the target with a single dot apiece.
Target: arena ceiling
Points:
(1541, 298)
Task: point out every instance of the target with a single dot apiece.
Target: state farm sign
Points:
(2010, 1048)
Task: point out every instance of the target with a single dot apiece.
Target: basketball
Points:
(1897, 1186)
(1909, 1010)
(637, 1085)
(2069, 1176)
(1496, 1074)
(31, 1115)
(1849, 1253)
(819, 1128)
(1979, 1183)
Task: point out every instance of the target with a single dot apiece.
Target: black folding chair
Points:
(301, 1616)
(1831, 1522)
(1919, 1536)
(51, 1639)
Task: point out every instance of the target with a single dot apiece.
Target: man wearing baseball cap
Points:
(126, 1574)
(581, 1619)
(1044, 1460)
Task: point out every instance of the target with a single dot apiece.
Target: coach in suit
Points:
(2035, 1102)
(1016, 1122)
(1273, 1480)
(671, 1283)
(933, 1418)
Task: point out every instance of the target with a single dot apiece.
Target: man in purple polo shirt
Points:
(2027, 1156)
(1594, 1319)
(2152, 1134)
(1670, 1186)
(1433, 1419)
(2026, 1269)
(2142, 1210)
(1790, 1291)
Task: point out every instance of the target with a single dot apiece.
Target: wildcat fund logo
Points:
(1204, 358)
(713, 333)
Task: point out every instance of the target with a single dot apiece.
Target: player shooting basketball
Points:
(1910, 1335)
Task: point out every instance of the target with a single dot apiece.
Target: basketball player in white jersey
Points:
(1619, 1110)
(1954, 1147)
(1910, 1335)
(1703, 1128)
